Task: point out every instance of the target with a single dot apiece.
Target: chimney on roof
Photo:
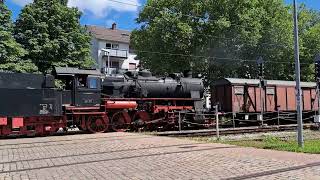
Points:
(114, 26)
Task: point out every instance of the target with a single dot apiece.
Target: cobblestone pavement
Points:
(134, 156)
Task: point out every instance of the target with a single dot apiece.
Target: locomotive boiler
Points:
(144, 85)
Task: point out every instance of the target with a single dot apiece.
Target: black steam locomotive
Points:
(31, 105)
(143, 85)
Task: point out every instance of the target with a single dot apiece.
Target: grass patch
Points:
(270, 142)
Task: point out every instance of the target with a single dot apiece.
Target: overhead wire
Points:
(215, 57)
(200, 56)
(224, 38)
(212, 57)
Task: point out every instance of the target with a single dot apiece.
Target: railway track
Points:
(228, 131)
(183, 133)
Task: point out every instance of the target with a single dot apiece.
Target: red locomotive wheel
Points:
(97, 125)
(119, 122)
(140, 119)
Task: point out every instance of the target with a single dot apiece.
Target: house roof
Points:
(109, 34)
(237, 81)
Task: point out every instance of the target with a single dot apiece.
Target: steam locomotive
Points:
(31, 105)
(143, 85)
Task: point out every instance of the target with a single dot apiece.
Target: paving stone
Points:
(136, 156)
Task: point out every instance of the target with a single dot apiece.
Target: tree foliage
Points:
(223, 38)
(51, 33)
(310, 41)
(10, 50)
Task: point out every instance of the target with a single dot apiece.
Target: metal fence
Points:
(219, 119)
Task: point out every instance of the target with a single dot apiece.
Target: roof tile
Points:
(109, 34)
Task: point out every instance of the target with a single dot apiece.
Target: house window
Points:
(114, 64)
(130, 49)
(108, 46)
(115, 46)
(132, 66)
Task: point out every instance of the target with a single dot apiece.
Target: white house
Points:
(112, 45)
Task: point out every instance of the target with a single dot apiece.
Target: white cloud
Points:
(22, 2)
(109, 22)
(100, 8)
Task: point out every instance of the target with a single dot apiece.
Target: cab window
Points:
(93, 83)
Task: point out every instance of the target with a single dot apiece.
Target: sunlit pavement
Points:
(135, 156)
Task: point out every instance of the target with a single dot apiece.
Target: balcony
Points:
(117, 53)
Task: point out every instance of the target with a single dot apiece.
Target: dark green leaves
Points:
(52, 35)
(10, 51)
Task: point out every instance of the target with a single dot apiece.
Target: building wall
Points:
(122, 46)
(101, 61)
(95, 51)
(131, 59)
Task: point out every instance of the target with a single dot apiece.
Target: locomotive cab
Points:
(81, 88)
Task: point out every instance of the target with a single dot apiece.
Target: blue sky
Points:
(105, 12)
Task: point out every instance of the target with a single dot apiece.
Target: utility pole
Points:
(260, 64)
(317, 77)
(217, 122)
(297, 72)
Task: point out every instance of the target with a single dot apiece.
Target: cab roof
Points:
(76, 71)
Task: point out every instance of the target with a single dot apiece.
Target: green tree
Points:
(10, 50)
(51, 33)
(221, 38)
(310, 41)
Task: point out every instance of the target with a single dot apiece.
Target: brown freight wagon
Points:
(242, 96)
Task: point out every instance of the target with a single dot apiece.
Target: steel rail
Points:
(227, 131)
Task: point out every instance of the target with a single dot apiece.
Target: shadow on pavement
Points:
(277, 171)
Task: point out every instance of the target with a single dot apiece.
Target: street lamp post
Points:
(297, 72)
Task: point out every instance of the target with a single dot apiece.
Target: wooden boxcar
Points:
(243, 96)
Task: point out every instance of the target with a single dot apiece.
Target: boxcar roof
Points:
(69, 70)
(237, 81)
